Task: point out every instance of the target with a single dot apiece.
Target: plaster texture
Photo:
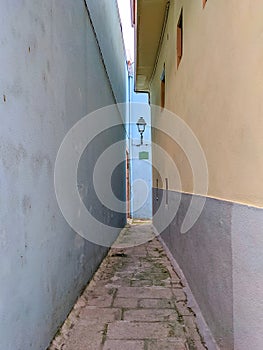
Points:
(247, 246)
(222, 262)
(106, 22)
(52, 74)
(205, 256)
(216, 89)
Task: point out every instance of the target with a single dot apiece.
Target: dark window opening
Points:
(163, 88)
(166, 191)
(180, 39)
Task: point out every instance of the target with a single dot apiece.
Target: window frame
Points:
(179, 39)
(162, 103)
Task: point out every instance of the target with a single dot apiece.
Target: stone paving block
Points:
(176, 284)
(191, 329)
(100, 301)
(156, 303)
(123, 274)
(119, 282)
(145, 292)
(164, 283)
(153, 275)
(123, 345)
(128, 251)
(150, 315)
(156, 252)
(144, 330)
(139, 250)
(98, 290)
(145, 264)
(183, 309)
(104, 274)
(175, 279)
(161, 260)
(81, 302)
(126, 303)
(84, 338)
(129, 269)
(166, 345)
(179, 294)
(101, 284)
(141, 283)
(153, 244)
(138, 253)
(195, 345)
(93, 314)
(135, 301)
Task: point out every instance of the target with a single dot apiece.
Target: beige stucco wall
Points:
(218, 91)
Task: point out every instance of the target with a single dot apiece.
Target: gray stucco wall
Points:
(106, 22)
(221, 258)
(51, 76)
(205, 257)
(247, 248)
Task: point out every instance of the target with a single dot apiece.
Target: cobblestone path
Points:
(135, 301)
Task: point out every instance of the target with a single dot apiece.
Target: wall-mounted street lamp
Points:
(141, 123)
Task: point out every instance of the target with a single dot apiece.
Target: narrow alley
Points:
(131, 167)
(136, 301)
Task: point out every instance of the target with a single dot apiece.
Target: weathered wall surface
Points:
(106, 22)
(217, 91)
(205, 255)
(51, 76)
(222, 261)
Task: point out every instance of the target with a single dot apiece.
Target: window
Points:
(204, 3)
(166, 191)
(180, 39)
(133, 12)
(163, 88)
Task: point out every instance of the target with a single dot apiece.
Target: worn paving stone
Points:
(145, 292)
(194, 340)
(124, 345)
(94, 314)
(144, 330)
(179, 294)
(100, 301)
(151, 315)
(127, 303)
(156, 304)
(119, 282)
(135, 301)
(183, 309)
(84, 337)
(174, 344)
(141, 283)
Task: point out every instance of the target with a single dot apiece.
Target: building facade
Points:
(140, 155)
(201, 61)
(60, 60)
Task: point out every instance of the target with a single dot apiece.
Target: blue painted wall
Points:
(52, 75)
(140, 169)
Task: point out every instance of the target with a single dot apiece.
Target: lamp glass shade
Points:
(141, 125)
